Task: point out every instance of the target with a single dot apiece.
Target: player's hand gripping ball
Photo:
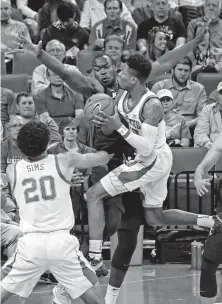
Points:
(96, 103)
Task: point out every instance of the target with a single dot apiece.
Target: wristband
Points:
(123, 131)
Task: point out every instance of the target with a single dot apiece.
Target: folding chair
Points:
(209, 81)
(16, 83)
(24, 63)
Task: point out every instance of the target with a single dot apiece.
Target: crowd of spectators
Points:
(113, 29)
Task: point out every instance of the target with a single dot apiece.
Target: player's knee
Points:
(154, 216)
(123, 255)
(208, 282)
(91, 194)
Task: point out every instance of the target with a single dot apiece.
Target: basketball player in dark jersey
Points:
(212, 256)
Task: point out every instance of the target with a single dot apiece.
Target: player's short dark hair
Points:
(33, 138)
(67, 10)
(20, 95)
(186, 61)
(101, 56)
(67, 121)
(141, 65)
(120, 3)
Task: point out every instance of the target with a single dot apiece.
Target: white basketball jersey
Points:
(135, 120)
(42, 194)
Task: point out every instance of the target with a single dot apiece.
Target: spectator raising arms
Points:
(114, 24)
(58, 100)
(67, 30)
(177, 131)
(209, 123)
(173, 28)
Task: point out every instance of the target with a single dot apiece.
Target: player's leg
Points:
(27, 265)
(72, 270)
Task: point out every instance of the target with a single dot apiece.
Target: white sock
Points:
(95, 249)
(205, 221)
(111, 294)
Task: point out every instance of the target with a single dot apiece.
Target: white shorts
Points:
(152, 179)
(57, 252)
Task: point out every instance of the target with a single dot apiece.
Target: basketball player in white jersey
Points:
(41, 186)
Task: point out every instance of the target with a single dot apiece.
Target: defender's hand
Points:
(201, 185)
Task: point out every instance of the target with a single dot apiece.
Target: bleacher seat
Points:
(84, 61)
(16, 83)
(186, 159)
(209, 81)
(162, 77)
(24, 63)
(3, 67)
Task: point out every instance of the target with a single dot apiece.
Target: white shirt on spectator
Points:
(39, 79)
(93, 11)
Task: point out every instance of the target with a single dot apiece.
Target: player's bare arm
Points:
(76, 80)
(170, 59)
(201, 178)
(152, 112)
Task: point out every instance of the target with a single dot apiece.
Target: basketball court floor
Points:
(147, 284)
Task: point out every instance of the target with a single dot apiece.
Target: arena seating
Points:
(209, 81)
(16, 83)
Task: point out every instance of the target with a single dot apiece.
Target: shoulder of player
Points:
(152, 111)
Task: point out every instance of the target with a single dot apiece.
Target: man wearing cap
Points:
(177, 131)
(209, 123)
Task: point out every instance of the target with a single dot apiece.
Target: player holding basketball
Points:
(212, 256)
(41, 186)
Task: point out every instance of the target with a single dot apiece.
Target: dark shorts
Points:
(213, 248)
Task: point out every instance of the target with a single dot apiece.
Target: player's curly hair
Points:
(33, 138)
(141, 65)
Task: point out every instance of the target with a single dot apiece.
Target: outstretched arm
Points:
(85, 161)
(170, 59)
(75, 80)
(201, 178)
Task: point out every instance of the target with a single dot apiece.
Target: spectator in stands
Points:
(10, 28)
(213, 97)
(48, 14)
(114, 24)
(208, 55)
(94, 11)
(10, 153)
(10, 231)
(177, 131)
(30, 10)
(189, 97)
(8, 105)
(114, 47)
(26, 109)
(209, 123)
(173, 28)
(58, 100)
(39, 80)
(66, 29)
(143, 12)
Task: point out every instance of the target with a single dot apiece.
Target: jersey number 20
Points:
(46, 186)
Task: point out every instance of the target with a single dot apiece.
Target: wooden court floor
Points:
(147, 284)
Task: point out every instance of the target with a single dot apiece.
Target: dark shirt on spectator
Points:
(58, 108)
(171, 27)
(69, 37)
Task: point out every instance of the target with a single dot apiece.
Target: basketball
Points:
(99, 102)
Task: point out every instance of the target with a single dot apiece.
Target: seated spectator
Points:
(209, 51)
(10, 28)
(26, 109)
(141, 13)
(214, 96)
(10, 231)
(94, 11)
(114, 24)
(10, 153)
(66, 29)
(8, 105)
(209, 123)
(189, 97)
(114, 47)
(155, 46)
(68, 129)
(58, 100)
(174, 29)
(177, 131)
(48, 14)
(29, 9)
(39, 80)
